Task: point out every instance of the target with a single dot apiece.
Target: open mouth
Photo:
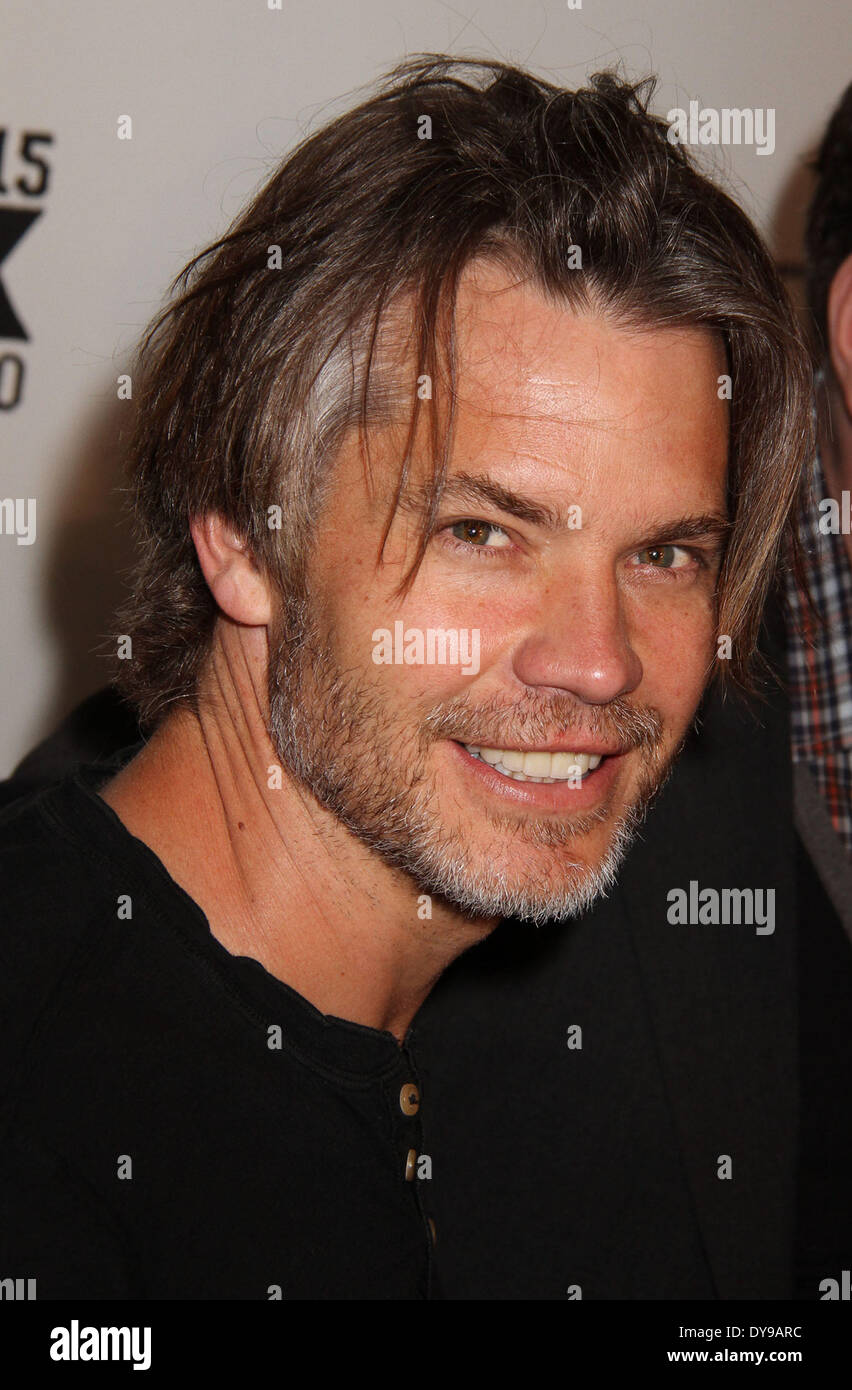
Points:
(537, 766)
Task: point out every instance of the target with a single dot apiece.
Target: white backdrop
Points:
(218, 91)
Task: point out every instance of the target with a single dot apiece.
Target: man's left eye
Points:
(664, 557)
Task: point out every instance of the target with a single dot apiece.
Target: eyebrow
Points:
(470, 487)
(711, 526)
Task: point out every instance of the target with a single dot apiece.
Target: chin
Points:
(549, 885)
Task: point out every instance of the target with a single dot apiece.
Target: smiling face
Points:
(579, 535)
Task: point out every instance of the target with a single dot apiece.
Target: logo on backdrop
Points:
(24, 181)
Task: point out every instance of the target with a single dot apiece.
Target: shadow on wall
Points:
(787, 231)
(84, 578)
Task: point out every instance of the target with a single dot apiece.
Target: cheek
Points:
(347, 613)
(411, 656)
(361, 619)
(676, 644)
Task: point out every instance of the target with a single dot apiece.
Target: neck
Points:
(277, 876)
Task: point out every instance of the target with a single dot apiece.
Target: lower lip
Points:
(545, 796)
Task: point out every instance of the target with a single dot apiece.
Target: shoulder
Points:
(53, 844)
(58, 881)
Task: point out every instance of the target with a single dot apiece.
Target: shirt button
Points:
(410, 1165)
(409, 1099)
(434, 1233)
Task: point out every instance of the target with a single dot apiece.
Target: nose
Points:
(578, 641)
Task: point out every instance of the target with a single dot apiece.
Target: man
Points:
(819, 658)
(821, 663)
(460, 461)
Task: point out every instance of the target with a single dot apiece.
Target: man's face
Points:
(579, 537)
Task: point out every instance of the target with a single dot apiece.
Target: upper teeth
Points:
(536, 767)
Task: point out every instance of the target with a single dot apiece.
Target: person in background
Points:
(820, 630)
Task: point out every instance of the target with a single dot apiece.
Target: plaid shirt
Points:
(819, 663)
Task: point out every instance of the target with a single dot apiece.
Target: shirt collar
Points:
(819, 646)
(351, 1051)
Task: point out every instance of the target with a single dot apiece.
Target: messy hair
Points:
(262, 359)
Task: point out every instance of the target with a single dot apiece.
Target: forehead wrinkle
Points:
(579, 409)
(571, 421)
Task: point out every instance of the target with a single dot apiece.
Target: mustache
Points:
(540, 718)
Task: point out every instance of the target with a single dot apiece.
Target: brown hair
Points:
(252, 373)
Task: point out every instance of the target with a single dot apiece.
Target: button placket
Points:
(406, 1107)
(406, 1104)
(409, 1098)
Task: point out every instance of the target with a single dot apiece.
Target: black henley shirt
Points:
(176, 1122)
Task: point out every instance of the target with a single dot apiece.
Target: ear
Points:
(839, 320)
(237, 585)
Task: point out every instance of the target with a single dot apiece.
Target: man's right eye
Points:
(477, 533)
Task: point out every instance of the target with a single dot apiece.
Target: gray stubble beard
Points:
(333, 736)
